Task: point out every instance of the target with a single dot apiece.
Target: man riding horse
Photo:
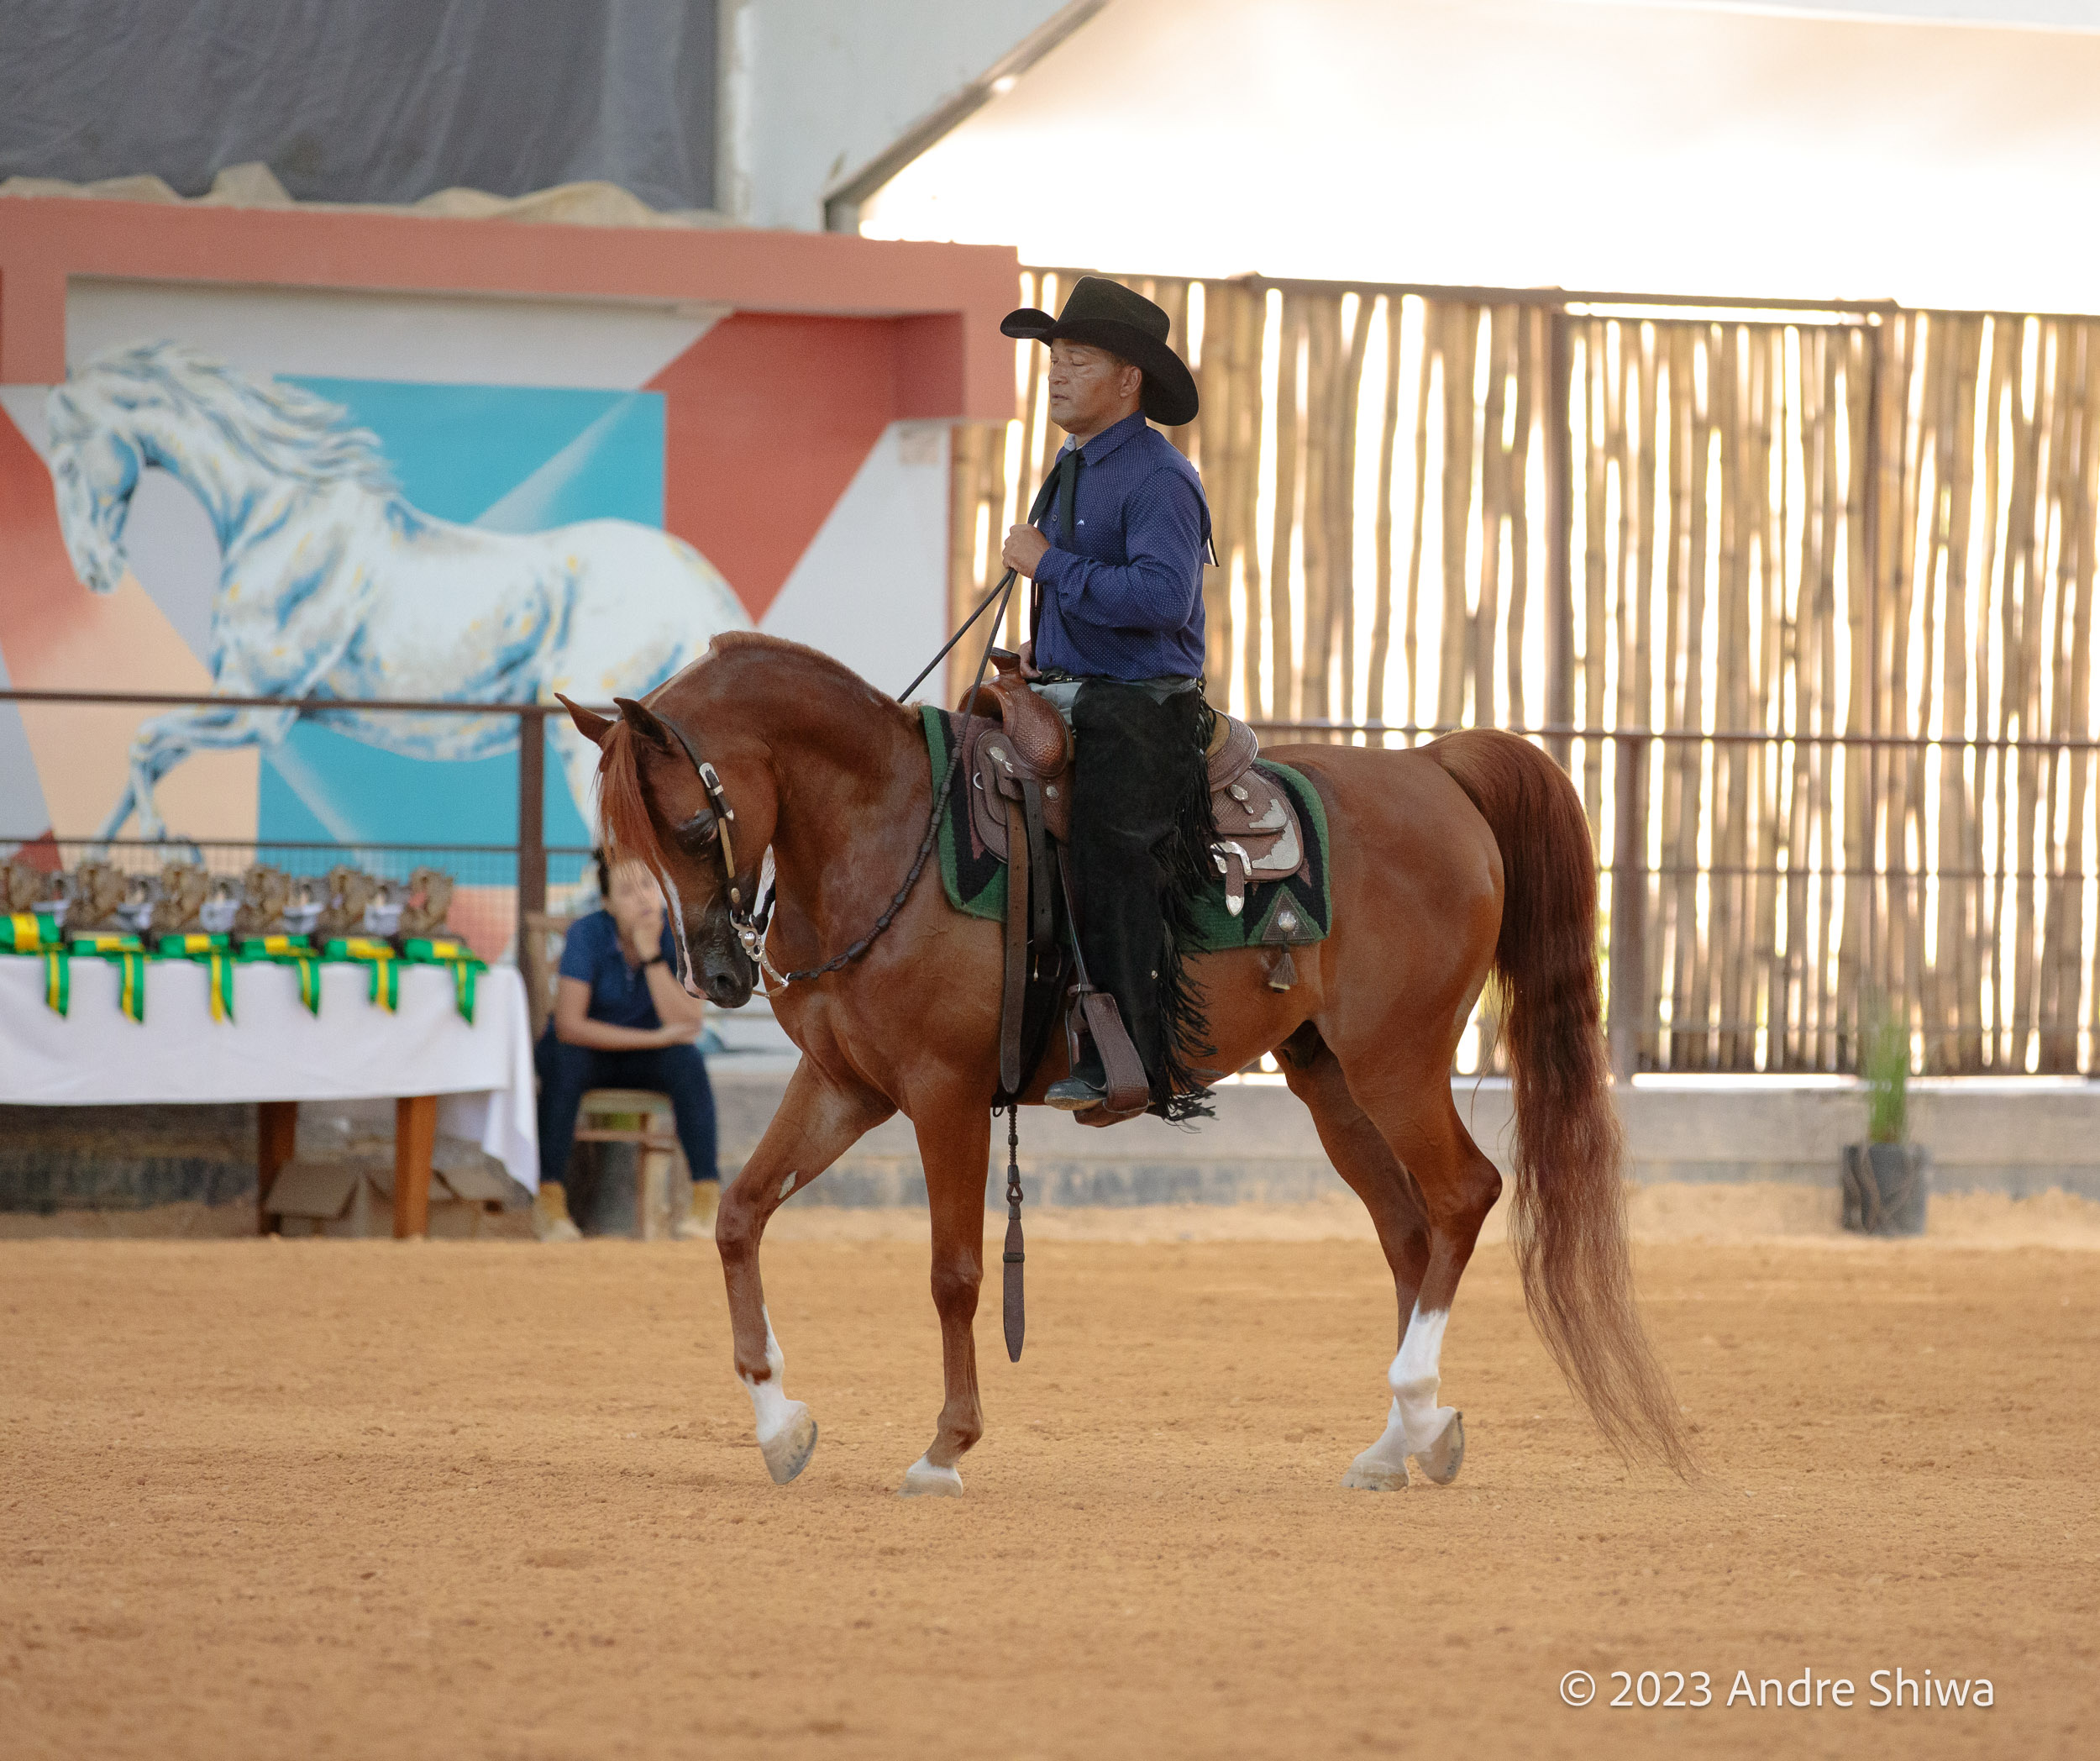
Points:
(1115, 546)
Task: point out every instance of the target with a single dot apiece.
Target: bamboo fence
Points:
(1804, 600)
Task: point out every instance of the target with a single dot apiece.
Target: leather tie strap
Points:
(1016, 1255)
(1016, 973)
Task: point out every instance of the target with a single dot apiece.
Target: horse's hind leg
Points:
(1364, 1159)
(818, 1121)
(1428, 1189)
(953, 1138)
(1458, 1186)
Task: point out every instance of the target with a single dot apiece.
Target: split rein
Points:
(750, 921)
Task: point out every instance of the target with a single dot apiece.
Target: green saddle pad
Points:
(1278, 912)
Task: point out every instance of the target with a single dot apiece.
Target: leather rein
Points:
(750, 918)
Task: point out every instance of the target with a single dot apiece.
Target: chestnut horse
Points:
(1462, 857)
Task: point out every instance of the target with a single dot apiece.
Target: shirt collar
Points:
(1100, 445)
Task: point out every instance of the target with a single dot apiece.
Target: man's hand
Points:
(1024, 550)
(1029, 669)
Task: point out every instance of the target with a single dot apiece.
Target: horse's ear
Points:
(643, 722)
(592, 726)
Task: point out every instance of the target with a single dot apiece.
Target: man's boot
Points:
(551, 1221)
(1086, 1086)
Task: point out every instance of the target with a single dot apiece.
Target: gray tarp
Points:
(364, 100)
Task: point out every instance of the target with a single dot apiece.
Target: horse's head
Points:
(220, 430)
(94, 469)
(654, 808)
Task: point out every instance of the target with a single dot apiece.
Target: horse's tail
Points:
(1569, 1224)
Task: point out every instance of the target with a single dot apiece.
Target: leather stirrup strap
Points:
(1016, 975)
(1041, 929)
(1127, 1089)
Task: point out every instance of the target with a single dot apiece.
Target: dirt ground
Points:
(488, 1499)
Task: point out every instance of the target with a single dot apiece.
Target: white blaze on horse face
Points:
(769, 1404)
(1414, 1378)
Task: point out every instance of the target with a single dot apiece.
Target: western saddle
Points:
(1017, 765)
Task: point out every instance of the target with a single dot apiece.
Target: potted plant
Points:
(1887, 1179)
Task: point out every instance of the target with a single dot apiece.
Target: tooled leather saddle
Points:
(1017, 766)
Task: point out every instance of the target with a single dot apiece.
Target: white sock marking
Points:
(922, 1477)
(1414, 1379)
(769, 1404)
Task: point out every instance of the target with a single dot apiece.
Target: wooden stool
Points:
(644, 1119)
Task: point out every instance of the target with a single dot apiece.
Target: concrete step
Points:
(2015, 1137)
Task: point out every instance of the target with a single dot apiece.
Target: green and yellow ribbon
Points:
(466, 966)
(127, 953)
(380, 956)
(29, 933)
(26, 933)
(215, 953)
(295, 951)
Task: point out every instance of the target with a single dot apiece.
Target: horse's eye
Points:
(698, 832)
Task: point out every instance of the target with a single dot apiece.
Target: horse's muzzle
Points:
(728, 978)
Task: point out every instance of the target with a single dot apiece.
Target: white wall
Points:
(872, 588)
(814, 89)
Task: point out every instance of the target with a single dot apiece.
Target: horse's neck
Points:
(848, 767)
(236, 491)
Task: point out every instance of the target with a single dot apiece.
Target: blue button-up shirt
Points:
(1122, 598)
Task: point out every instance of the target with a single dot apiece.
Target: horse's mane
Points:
(729, 644)
(281, 426)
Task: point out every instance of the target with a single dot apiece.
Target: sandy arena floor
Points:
(465, 1500)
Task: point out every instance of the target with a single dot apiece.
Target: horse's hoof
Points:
(787, 1452)
(1367, 1475)
(1441, 1460)
(923, 1480)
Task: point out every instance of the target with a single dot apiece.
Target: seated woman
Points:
(622, 1020)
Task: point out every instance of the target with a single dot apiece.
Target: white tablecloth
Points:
(274, 1050)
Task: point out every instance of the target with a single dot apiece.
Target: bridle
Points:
(749, 921)
(749, 925)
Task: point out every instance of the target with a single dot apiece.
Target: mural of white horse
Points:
(332, 586)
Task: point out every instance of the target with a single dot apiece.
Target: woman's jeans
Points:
(568, 1072)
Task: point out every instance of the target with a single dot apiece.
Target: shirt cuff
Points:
(1052, 566)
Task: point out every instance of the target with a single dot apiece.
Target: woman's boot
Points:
(551, 1221)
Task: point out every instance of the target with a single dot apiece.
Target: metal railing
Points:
(1751, 951)
(1734, 964)
(528, 854)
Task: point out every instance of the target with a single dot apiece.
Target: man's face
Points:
(1090, 388)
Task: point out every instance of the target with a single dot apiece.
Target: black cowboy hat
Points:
(1107, 315)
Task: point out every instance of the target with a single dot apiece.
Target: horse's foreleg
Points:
(818, 1120)
(953, 1138)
